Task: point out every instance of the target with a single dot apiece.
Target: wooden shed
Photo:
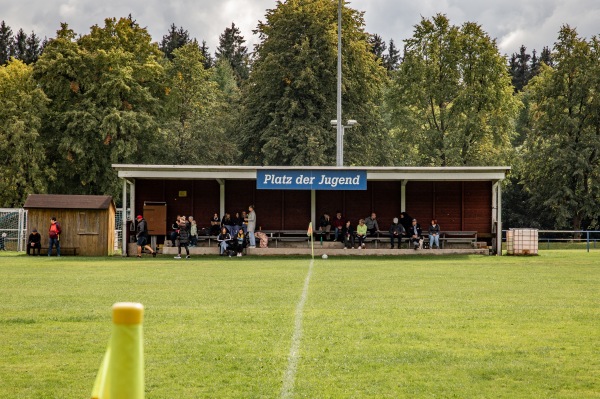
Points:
(87, 221)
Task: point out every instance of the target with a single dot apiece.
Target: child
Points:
(240, 242)
(193, 234)
(361, 233)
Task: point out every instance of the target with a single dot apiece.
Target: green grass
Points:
(422, 327)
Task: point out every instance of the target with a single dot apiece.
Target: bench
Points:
(287, 235)
(458, 237)
(63, 251)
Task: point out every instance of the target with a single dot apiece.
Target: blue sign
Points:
(311, 179)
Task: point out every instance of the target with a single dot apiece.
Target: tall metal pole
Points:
(340, 129)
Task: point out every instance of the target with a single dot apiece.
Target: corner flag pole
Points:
(312, 241)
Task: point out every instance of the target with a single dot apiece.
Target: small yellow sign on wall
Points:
(183, 194)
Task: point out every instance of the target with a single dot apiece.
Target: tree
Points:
(23, 167)
(196, 123)
(106, 89)
(33, 49)
(562, 150)
(231, 48)
(20, 45)
(290, 97)
(207, 59)
(520, 71)
(378, 46)
(392, 59)
(6, 43)
(451, 100)
(176, 38)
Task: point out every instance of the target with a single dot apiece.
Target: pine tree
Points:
(176, 38)
(6, 43)
(231, 48)
(521, 71)
(378, 46)
(207, 57)
(392, 59)
(20, 45)
(33, 49)
(546, 57)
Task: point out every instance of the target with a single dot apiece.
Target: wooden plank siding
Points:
(458, 206)
(90, 230)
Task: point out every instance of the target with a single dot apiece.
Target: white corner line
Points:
(289, 377)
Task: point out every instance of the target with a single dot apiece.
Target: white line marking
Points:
(287, 391)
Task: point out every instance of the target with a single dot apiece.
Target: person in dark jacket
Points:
(142, 237)
(396, 233)
(184, 238)
(348, 235)
(175, 232)
(405, 220)
(434, 234)
(34, 242)
(239, 242)
(224, 239)
(338, 226)
(215, 225)
(325, 225)
(415, 234)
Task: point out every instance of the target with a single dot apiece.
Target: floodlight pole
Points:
(340, 129)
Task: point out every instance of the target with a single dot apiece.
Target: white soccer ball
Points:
(324, 256)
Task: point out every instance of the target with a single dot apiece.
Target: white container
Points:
(522, 242)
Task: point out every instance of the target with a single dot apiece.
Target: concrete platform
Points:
(333, 251)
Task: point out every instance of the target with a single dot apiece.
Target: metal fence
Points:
(588, 240)
(14, 230)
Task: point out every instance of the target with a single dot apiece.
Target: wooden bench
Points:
(287, 236)
(63, 251)
(458, 237)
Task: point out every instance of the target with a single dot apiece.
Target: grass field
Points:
(422, 327)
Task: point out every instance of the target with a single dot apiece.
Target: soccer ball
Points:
(324, 256)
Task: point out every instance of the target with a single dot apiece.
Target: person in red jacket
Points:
(54, 235)
(338, 225)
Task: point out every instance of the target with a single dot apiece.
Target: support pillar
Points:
(403, 196)
(221, 197)
(499, 220)
(124, 220)
(313, 207)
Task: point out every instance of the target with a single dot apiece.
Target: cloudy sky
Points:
(534, 23)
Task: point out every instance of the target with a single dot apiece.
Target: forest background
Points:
(74, 104)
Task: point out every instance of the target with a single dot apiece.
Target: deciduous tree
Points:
(562, 150)
(451, 101)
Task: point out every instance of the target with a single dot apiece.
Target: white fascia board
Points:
(437, 176)
(186, 175)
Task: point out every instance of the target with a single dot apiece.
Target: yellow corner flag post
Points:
(312, 242)
(121, 375)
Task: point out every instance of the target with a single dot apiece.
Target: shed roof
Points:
(59, 201)
(181, 172)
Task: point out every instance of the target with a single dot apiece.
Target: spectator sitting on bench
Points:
(348, 235)
(215, 225)
(434, 234)
(325, 226)
(405, 221)
(338, 226)
(224, 238)
(238, 223)
(227, 222)
(396, 233)
(239, 242)
(175, 233)
(415, 234)
(361, 233)
(34, 242)
(244, 219)
(372, 225)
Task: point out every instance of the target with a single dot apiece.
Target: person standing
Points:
(34, 242)
(193, 233)
(251, 226)
(142, 237)
(54, 236)
(396, 233)
(184, 239)
(434, 234)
